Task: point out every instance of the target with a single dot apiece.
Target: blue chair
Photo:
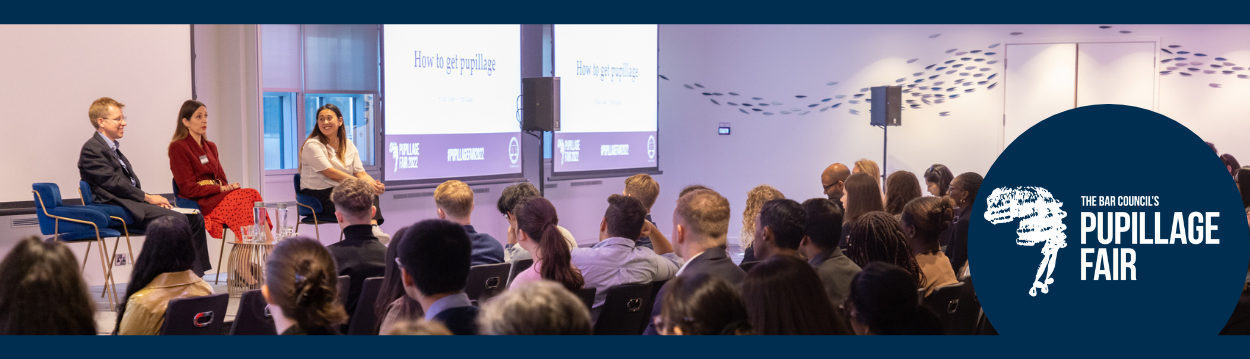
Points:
(310, 209)
(186, 203)
(119, 220)
(75, 224)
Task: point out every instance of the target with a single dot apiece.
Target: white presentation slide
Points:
(607, 77)
(445, 79)
(451, 99)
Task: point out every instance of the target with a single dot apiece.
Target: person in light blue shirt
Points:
(617, 259)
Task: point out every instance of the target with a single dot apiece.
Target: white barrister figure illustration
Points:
(1041, 220)
(395, 154)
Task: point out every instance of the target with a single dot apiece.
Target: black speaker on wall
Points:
(541, 104)
(887, 106)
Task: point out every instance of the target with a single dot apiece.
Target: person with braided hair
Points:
(878, 237)
(537, 233)
(924, 220)
(883, 301)
(301, 284)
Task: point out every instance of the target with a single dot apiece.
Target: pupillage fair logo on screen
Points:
(514, 150)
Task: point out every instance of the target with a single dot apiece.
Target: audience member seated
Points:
(690, 188)
(43, 292)
(536, 232)
(1243, 185)
(114, 181)
(508, 199)
(360, 255)
(328, 157)
(535, 308)
(645, 189)
(198, 174)
(863, 195)
(869, 167)
(878, 237)
(901, 187)
(393, 304)
(783, 296)
(883, 301)
(301, 285)
(700, 224)
(924, 220)
(820, 246)
(755, 200)
(434, 258)
(418, 327)
(1230, 163)
(779, 229)
(616, 260)
(964, 192)
(938, 179)
(454, 200)
(702, 304)
(833, 179)
(161, 273)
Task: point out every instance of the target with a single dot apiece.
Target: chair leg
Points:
(220, 254)
(107, 275)
(83, 268)
(317, 227)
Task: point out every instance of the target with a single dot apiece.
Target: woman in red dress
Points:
(198, 174)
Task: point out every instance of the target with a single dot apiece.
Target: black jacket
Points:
(460, 320)
(109, 181)
(714, 262)
(360, 256)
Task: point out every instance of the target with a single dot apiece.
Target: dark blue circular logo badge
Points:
(1108, 220)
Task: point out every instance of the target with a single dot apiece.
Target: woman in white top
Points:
(328, 157)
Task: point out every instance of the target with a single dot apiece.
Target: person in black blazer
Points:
(700, 224)
(360, 254)
(113, 181)
(434, 257)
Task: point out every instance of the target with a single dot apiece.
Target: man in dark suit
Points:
(700, 224)
(454, 202)
(113, 181)
(820, 246)
(360, 254)
(434, 260)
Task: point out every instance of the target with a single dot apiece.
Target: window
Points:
(307, 66)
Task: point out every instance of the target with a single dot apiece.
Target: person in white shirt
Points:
(327, 158)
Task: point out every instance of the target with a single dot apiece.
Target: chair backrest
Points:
(964, 320)
(179, 201)
(49, 193)
(518, 267)
(343, 286)
(944, 302)
(624, 310)
(587, 295)
(196, 316)
(655, 291)
(253, 317)
(305, 200)
(487, 280)
(364, 321)
(85, 189)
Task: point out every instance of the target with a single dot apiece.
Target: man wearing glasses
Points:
(113, 181)
(833, 179)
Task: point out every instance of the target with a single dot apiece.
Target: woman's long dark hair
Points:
(340, 147)
(940, 174)
(901, 187)
(41, 292)
(704, 304)
(185, 112)
(863, 195)
(1243, 185)
(302, 280)
(883, 297)
(537, 218)
(393, 286)
(930, 216)
(878, 237)
(784, 296)
(167, 249)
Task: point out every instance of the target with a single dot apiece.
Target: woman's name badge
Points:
(204, 159)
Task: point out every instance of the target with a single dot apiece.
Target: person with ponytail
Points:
(301, 284)
(924, 220)
(883, 301)
(162, 272)
(536, 232)
(955, 240)
(702, 304)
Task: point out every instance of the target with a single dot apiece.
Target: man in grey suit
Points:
(113, 181)
(700, 224)
(820, 247)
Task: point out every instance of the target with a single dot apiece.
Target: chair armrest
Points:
(80, 215)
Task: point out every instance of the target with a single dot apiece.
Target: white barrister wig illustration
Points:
(1041, 220)
(395, 155)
